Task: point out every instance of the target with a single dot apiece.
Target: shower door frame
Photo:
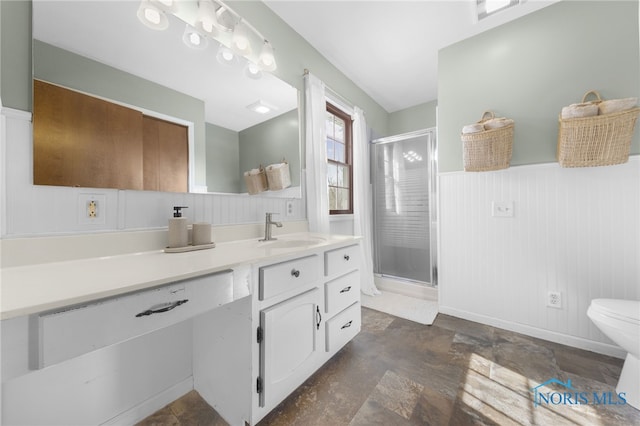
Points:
(432, 187)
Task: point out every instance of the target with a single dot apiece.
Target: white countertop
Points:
(30, 289)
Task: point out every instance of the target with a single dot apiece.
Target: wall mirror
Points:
(101, 48)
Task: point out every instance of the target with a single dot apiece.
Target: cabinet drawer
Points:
(285, 276)
(76, 330)
(341, 292)
(343, 327)
(342, 260)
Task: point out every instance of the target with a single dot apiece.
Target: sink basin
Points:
(303, 242)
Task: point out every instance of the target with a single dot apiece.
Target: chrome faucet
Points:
(267, 227)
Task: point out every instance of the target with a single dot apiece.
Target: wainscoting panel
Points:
(574, 231)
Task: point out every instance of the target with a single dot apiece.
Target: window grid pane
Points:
(338, 127)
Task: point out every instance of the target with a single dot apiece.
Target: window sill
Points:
(340, 217)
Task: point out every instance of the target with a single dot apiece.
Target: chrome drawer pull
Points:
(347, 325)
(165, 307)
(346, 257)
(346, 289)
(295, 273)
(318, 318)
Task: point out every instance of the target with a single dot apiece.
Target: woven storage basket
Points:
(256, 183)
(278, 178)
(601, 140)
(487, 150)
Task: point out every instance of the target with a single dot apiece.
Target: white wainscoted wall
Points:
(47, 210)
(576, 231)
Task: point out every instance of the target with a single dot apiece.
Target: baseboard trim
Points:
(153, 404)
(552, 336)
(406, 288)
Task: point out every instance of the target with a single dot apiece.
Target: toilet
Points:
(619, 320)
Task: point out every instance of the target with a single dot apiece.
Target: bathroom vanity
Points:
(248, 321)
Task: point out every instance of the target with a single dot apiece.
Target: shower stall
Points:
(404, 173)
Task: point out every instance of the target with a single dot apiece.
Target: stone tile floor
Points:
(455, 372)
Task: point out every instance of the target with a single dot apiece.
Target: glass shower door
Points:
(404, 206)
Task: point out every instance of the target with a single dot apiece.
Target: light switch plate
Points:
(502, 209)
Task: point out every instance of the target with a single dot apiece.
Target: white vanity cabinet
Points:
(342, 296)
(303, 310)
(244, 325)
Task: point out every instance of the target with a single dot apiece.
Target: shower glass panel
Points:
(404, 173)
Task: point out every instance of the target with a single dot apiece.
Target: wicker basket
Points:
(601, 140)
(256, 183)
(488, 150)
(278, 177)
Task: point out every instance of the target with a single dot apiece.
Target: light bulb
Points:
(240, 40)
(266, 60)
(151, 16)
(253, 71)
(195, 39)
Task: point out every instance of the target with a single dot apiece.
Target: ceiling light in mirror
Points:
(253, 71)
(152, 16)
(225, 55)
(261, 107)
(193, 39)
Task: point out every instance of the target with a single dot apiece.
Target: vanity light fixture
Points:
(486, 8)
(212, 19)
(194, 39)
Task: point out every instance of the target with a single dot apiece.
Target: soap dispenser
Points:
(178, 231)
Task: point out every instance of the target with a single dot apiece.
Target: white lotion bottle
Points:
(178, 230)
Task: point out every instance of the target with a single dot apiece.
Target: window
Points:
(339, 159)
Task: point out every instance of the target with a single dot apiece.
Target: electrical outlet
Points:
(91, 209)
(502, 209)
(554, 299)
(289, 208)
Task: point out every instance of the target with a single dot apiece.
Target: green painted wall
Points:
(268, 142)
(223, 159)
(419, 117)
(528, 69)
(15, 54)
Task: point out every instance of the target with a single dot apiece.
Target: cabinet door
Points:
(290, 345)
(165, 156)
(80, 140)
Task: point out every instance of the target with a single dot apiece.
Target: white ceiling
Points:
(390, 48)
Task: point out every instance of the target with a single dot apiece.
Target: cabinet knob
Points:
(346, 257)
(295, 273)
